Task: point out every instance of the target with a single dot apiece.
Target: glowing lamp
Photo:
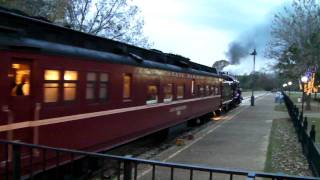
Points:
(304, 79)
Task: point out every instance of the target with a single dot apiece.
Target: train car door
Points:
(20, 98)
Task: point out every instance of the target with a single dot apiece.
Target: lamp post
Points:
(254, 53)
(289, 84)
(284, 87)
(304, 80)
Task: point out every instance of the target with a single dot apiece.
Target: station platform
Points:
(237, 140)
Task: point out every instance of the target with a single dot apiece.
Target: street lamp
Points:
(289, 84)
(284, 87)
(254, 53)
(304, 80)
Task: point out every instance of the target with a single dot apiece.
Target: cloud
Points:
(196, 43)
(246, 66)
(203, 29)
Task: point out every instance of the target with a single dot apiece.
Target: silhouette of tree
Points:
(114, 19)
(295, 38)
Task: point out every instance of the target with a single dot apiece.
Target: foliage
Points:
(219, 65)
(49, 9)
(295, 38)
(114, 19)
(262, 81)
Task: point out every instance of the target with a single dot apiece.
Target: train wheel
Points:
(162, 135)
(199, 121)
(217, 113)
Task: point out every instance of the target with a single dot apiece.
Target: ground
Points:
(284, 150)
(313, 116)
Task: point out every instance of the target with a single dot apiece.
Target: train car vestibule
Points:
(20, 79)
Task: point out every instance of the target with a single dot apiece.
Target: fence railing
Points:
(307, 139)
(28, 161)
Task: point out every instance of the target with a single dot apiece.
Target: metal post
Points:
(251, 176)
(127, 169)
(127, 172)
(305, 124)
(302, 98)
(16, 159)
(254, 53)
(313, 133)
(289, 91)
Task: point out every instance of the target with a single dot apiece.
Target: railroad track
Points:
(150, 146)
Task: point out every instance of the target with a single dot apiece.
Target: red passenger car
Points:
(64, 88)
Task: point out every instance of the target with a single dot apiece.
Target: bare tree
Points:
(50, 9)
(219, 65)
(115, 19)
(295, 39)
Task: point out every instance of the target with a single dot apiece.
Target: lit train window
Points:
(51, 75)
(152, 94)
(193, 92)
(91, 84)
(51, 91)
(180, 91)
(51, 86)
(167, 90)
(70, 85)
(70, 75)
(126, 86)
(20, 79)
(103, 86)
(69, 91)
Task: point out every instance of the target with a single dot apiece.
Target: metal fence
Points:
(307, 139)
(28, 161)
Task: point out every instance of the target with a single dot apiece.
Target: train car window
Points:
(201, 90)
(70, 76)
(207, 90)
(180, 91)
(103, 86)
(51, 91)
(193, 92)
(167, 90)
(70, 85)
(217, 91)
(69, 91)
(126, 86)
(51, 86)
(51, 75)
(152, 94)
(212, 90)
(20, 79)
(91, 85)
